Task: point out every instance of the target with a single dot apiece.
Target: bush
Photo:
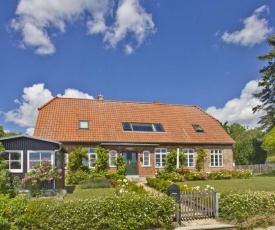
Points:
(12, 211)
(128, 211)
(239, 207)
(195, 175)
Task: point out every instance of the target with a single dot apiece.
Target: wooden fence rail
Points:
(199, 205)
(259, 168)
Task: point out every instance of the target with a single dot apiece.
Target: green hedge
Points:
(239, 207)
(128, 211)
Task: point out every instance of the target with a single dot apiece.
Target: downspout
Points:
(55, 151)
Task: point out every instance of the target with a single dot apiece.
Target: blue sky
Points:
(181, 52)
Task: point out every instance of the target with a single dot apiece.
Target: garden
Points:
(98, 199)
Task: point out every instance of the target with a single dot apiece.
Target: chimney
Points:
(100, 97)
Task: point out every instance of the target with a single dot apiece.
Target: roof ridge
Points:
(115, 101)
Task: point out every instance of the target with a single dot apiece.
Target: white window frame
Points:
(146, 154)
(162, 152)
(188, 153)
(9, 161)
(66, 160)
(216, 153)
(91, 160)
(112, 157)
(29, 152)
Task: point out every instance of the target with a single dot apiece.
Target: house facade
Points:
(143, 133)
(23, 151)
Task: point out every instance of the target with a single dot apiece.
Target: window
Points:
(142, 127)
(66, 160)
(198, 128)
(146, 158)
(91, 158)
(36, 157)
(160, 154)
(83, 124)
(112, 158)
(189, 153)
(216, 158)
(14, 160)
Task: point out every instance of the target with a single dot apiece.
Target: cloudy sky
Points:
(181, 52)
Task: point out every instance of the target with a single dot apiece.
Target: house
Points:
(23, 151)
(142, 132)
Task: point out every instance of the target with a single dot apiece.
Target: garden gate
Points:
(198, 205)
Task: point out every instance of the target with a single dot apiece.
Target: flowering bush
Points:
(42, 173)
(126, 185)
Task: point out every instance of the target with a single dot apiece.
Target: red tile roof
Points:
(59, 120)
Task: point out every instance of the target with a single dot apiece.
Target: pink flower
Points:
(59, 170)
(60, 177)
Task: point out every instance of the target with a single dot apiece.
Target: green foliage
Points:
(195, 175)
(172, 176)
(120, 165)
(76, 157)
(171, 161)
(239, 207)
(101, 162)
(5, 180)
(200, 159)
(12, 211)
(127, 211)
(247, 149)
(267, 88)
(269, 142)
(40, 174)
(77, 176)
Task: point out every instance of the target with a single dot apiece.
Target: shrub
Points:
(200, 159)
(241, 174)
(101, 162)
(128, 211)
(40, 174)
(171, 161)
(195, 175)
(76, 157)
(172, 176)
(77, 177)
(239, 207)
(120, 165)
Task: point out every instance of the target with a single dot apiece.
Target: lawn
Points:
(258, 182)
(77, 192)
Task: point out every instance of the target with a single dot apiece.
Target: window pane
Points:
(142, 127)
(134, 157)
(83, 124)
(15, 156)
(33, 163)
(5, 155)
(126, 126)
(159, 128)
(15, 165)
(46, 156)
(34, 156)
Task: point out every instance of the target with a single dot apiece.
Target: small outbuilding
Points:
(23, 151)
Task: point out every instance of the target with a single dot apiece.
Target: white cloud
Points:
(33, 98)
(240, 109)
(130, 18)
(74, 93)
(128, 49)
(255, 30)
(38, 21)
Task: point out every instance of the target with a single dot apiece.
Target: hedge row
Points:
(128, 211)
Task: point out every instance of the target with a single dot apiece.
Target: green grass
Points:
(258, 182)
(77, 192)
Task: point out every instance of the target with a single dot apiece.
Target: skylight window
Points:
(83, 124)
(198, 128)
(142, 127)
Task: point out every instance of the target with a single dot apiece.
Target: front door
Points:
(130, 158)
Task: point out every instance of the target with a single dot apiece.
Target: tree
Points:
(267, 85)
(101, 162)
(269, 142)
(76, 157)
(247, 149)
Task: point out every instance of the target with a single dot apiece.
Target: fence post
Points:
(217, 204)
